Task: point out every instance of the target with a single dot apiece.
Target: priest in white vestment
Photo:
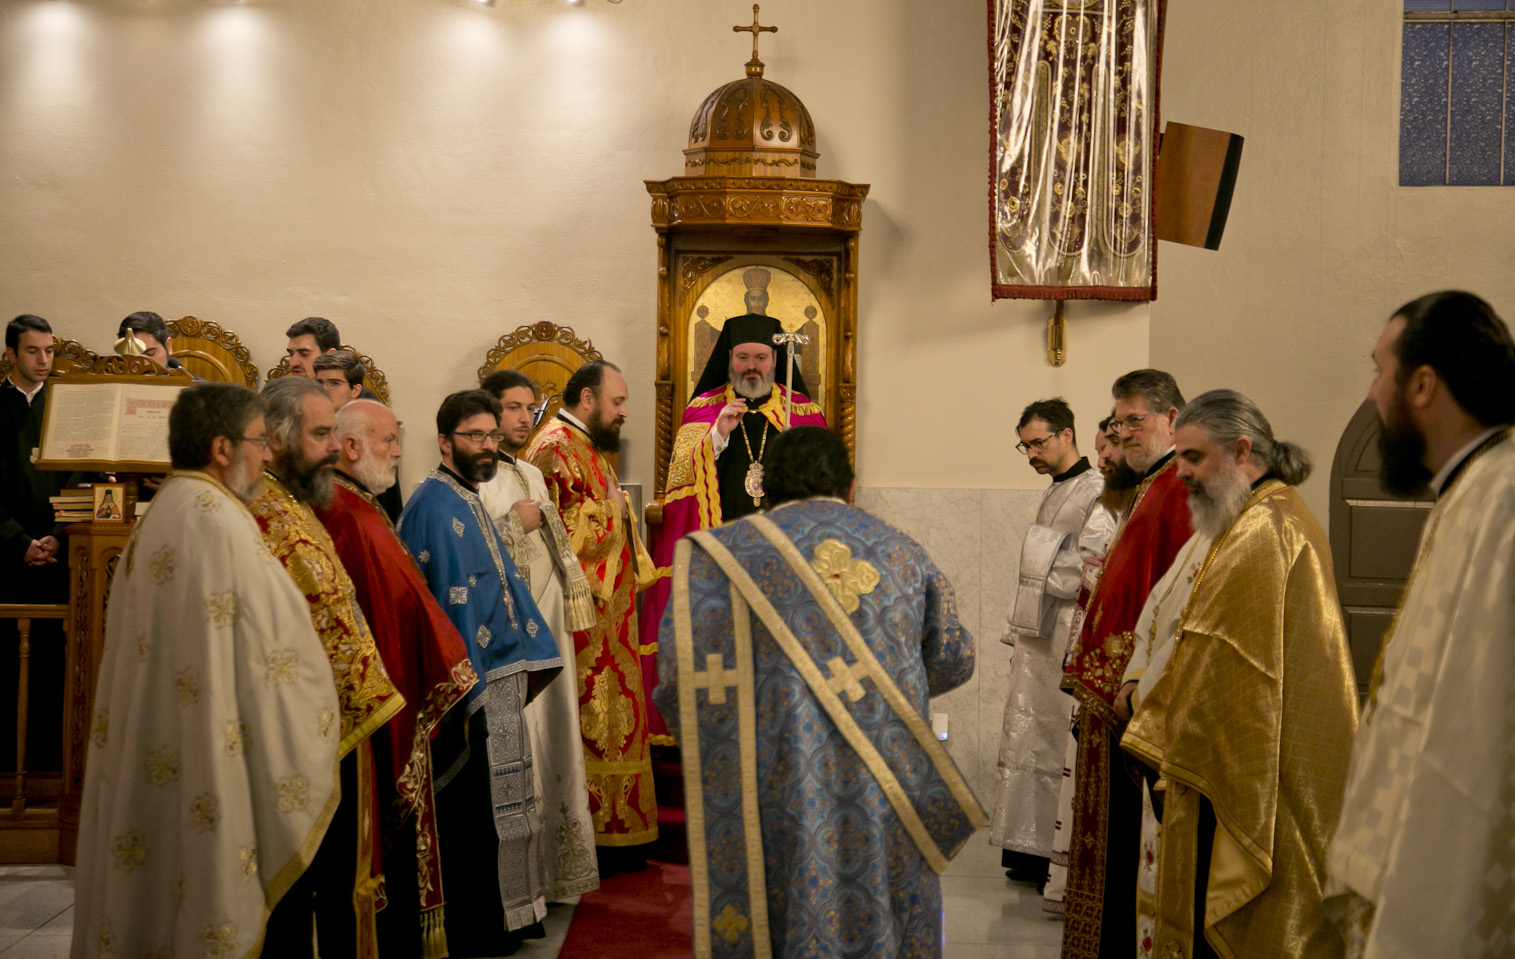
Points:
(518, 502)
(212, 767)
(1034, 739)
(1423, 861)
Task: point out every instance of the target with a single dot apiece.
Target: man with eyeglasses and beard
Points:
(1426, 842)
(426, 659)
(210, 774)
(1100, 917)
(338, 889)
(486, 808)
(1245, 704)
(1033, 738)
(571, 451)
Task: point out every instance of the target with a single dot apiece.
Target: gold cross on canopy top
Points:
(754, 66)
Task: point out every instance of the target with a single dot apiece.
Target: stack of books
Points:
(74, 505)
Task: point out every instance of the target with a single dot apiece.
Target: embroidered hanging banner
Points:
(1073, 148)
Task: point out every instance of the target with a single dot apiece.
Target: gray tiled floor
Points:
(987, 916)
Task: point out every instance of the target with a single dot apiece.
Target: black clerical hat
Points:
(751, 328)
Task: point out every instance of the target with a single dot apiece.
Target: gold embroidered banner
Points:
(1073, 94)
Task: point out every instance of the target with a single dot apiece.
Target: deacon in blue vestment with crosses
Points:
(806, 642)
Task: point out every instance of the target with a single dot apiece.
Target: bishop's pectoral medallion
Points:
(753, 484)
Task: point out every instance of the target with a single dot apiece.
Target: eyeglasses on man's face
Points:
(1034, 446)
(1131, 423)
(477, 437)
(259, 441)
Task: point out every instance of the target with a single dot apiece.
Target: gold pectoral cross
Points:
(715, 678)
(755, 66)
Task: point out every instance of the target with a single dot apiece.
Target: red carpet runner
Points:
(634, 915)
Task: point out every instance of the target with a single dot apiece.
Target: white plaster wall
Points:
(1322, 244)
(432, 173)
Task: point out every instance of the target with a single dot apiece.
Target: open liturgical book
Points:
(116, 423)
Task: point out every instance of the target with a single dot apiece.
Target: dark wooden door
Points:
(1373, 540)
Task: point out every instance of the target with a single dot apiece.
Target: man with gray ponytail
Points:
(1245, 703)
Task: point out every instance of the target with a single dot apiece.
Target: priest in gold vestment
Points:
(570, 452)
(339, 889)
(1250, 723)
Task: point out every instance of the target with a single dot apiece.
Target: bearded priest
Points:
(340, 888)
(715, 473)
(212, 769)
(571, 453)
(1100, 917)
(1249, 720)
(486, 804)
(534, 535)
(426, 659)
(1421, 861)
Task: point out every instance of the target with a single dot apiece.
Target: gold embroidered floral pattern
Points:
(188, 682)
(143, 647)
(482, 637)
(249, 858)
(281, 667)
(847, 578)
(457, 595)
(130, 851)
(205, 812)
(236, 734)
(328, 723)
(457, 527)
(100, 728)
(730, 924)
(107, 938)
(609, 717)
(163, 766)
(206, 501)
(291, 794)
(161, 565)
(219, 941)
(221, 609)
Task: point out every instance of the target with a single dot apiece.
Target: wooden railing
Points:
(23, 614)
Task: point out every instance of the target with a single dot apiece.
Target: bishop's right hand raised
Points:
(731, 415)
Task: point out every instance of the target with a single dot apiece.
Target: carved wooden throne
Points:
(749, 228)
(212, 352)
(546, 352)
(374, 378)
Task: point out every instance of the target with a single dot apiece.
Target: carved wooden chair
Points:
(67, 354)
(212, 352)
(374, 379)
(547, 353)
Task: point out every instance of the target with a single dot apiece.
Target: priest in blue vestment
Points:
(483, 763)
(806, 642)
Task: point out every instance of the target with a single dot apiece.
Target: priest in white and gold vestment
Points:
(1423, 862)
(1249, 725)
(533, 533)
(212, 769)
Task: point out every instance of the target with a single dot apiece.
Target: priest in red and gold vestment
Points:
(426, 659)
(1100, 916)
(339, 889)
(570, 452)
(715, 474)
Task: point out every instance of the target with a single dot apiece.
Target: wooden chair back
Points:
(374, 378)
(546, 352)
(212, 352)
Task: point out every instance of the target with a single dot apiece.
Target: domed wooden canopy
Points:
(751, 127)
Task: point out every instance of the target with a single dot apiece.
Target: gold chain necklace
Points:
(753, 484)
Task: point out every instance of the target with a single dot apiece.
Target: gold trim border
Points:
(689, 736)
(752, 827)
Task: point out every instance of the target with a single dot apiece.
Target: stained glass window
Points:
(1456, 109)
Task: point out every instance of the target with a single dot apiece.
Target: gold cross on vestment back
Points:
(715, 678)
(844, 678)
(755, 29)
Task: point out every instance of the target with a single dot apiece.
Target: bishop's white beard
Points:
(1215, 505)
(373, 472)
(759, 391)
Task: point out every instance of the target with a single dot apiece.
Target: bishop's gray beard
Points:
(758, 391)
(1215, 505)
